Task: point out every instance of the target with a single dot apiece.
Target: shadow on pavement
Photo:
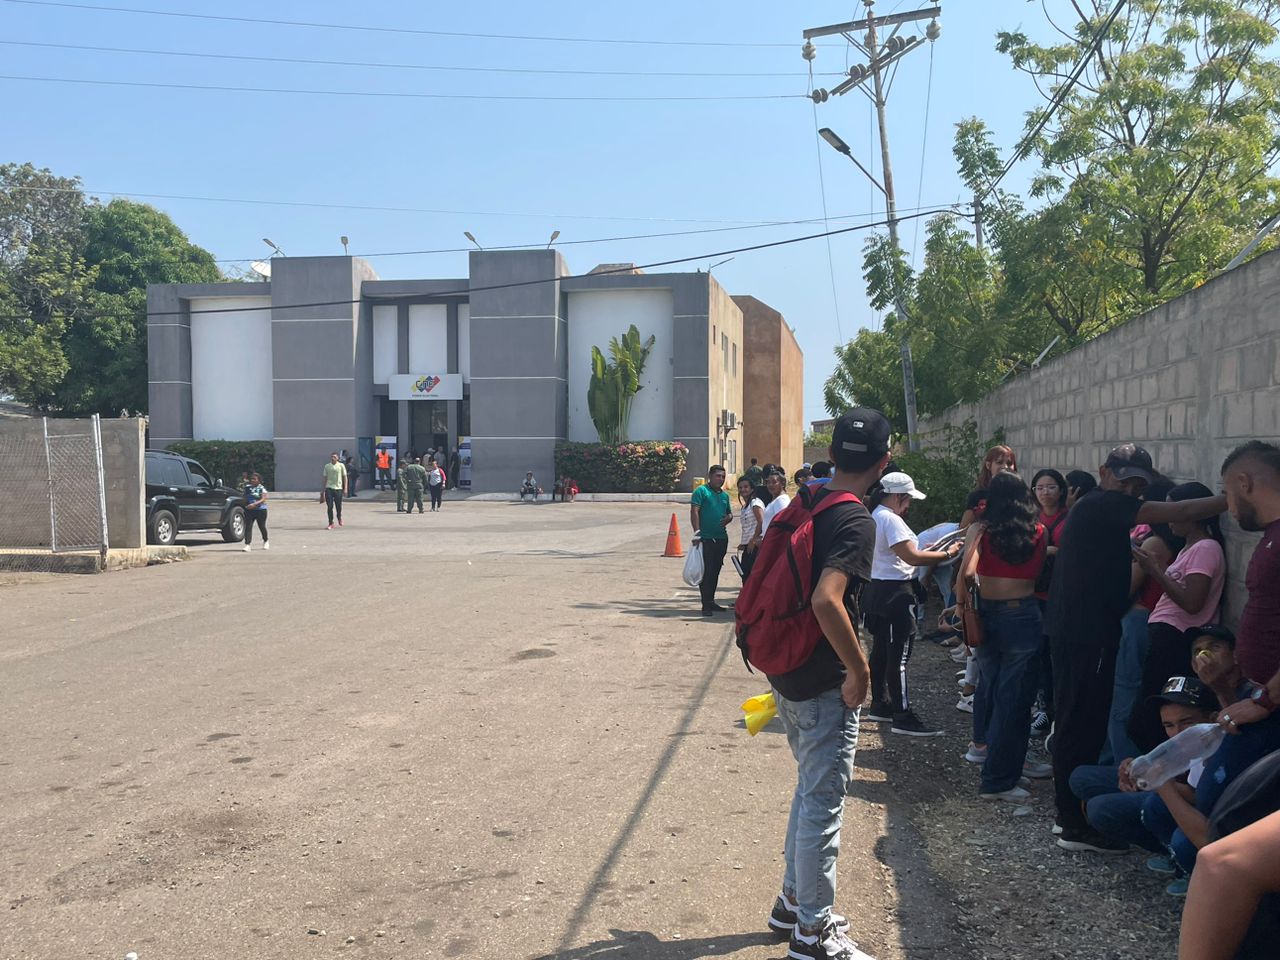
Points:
(658, 609)
(583, 910)
(642, 944)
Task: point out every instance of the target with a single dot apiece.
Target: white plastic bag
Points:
(693, 565)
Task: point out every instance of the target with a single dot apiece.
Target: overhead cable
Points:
(368, 28)
(397, 66)
(396, 94)
(468, 290)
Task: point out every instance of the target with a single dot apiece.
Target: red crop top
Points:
(991, 565)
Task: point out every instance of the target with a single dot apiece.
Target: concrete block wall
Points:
(1189, 380)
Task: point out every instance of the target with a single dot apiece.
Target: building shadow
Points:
(658, 609)
(643, 945)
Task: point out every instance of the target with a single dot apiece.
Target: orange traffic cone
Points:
(674, 547)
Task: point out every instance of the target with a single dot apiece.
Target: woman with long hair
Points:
(1192, 587)
(1004, 554)
(750, 522)
(889, 600)
(999, 459)
(775, 482)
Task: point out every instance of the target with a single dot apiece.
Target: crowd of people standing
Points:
(1084, 608)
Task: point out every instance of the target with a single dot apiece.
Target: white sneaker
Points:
(266, 544)
(1036, 770)
(246, 549)
(965, 704)
(831, 944)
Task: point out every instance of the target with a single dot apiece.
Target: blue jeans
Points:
(1130, 659)
(1157, 818)
(1008, 671)
(1109, 811)
(823, 735)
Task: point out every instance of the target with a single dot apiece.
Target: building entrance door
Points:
(429, 427)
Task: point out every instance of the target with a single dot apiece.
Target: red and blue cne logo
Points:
(425, 385)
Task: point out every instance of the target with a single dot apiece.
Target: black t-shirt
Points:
(844, 539)
(1090, 589)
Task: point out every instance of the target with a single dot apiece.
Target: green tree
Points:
(1155, 167)
(615, 382)
(43, 278)
(131, 245)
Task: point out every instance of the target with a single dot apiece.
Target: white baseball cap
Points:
(900, 483)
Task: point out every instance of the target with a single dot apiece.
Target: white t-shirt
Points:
(775, 507)
(434, 476)
(891, 530)
(747, 519)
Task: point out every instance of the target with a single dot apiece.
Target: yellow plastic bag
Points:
(758, 711)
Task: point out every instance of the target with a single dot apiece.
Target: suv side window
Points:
(198, 476)
(171, 473)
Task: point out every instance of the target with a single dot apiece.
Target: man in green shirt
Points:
(335, 481)
(415, 478)
(710, 513)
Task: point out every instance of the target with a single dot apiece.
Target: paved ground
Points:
(494, 732)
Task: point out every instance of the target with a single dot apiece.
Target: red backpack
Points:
(776, 627)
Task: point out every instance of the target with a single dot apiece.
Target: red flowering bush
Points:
(647, 466)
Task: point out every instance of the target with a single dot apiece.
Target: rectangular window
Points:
(388, 417)
(714, 335)
(197, 475)
(724, 351)
(735, 359)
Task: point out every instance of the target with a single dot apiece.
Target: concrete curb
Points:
(42, 561)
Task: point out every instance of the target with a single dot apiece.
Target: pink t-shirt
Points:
(1203, 557)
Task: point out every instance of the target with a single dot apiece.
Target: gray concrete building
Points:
(327, 356)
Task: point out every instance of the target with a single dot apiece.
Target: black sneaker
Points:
(1089, 840)
(910, 725)
(1040, 724)
(880, 712)
(782, 920)
(830, 944)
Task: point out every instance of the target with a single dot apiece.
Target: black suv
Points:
(181, 496)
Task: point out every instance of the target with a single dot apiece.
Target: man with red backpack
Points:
(796, 621)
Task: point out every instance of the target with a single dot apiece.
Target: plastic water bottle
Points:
(1175, 755)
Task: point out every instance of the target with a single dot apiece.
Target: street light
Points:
(278, 251)
(554, 234)
(467, 234)
(345, 241)
(720, 263)
(834, 140)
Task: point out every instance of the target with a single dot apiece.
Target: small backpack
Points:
(776, 627)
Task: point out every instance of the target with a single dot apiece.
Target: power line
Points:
(1056, 101)
(401, 30)
(822, 190)
(924, 145)
(468, 290)
(399, 95)
(431, 210)
(392, 66)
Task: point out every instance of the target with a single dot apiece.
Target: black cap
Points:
(1187, 691)
(1130, 462)
(861, 430)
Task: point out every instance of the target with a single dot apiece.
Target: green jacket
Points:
(415, 475)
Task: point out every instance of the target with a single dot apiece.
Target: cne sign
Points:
(425, 386)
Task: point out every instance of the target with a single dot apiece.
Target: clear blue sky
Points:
(516, 170)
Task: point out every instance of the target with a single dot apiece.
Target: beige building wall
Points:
(773, 401)
(725, 372)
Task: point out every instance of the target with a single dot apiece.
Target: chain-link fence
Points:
(52, 489)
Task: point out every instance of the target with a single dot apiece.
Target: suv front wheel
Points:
(164, 528)
(233, 530)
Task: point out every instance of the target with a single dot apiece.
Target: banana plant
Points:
(615, 383)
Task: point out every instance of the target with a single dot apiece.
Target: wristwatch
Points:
(1262, 698)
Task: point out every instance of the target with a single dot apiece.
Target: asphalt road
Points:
(498, 731)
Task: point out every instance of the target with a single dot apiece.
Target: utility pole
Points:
(879, 56)
(977, 220)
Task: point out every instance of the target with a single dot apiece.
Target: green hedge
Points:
(230, 458)
(651, 466)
